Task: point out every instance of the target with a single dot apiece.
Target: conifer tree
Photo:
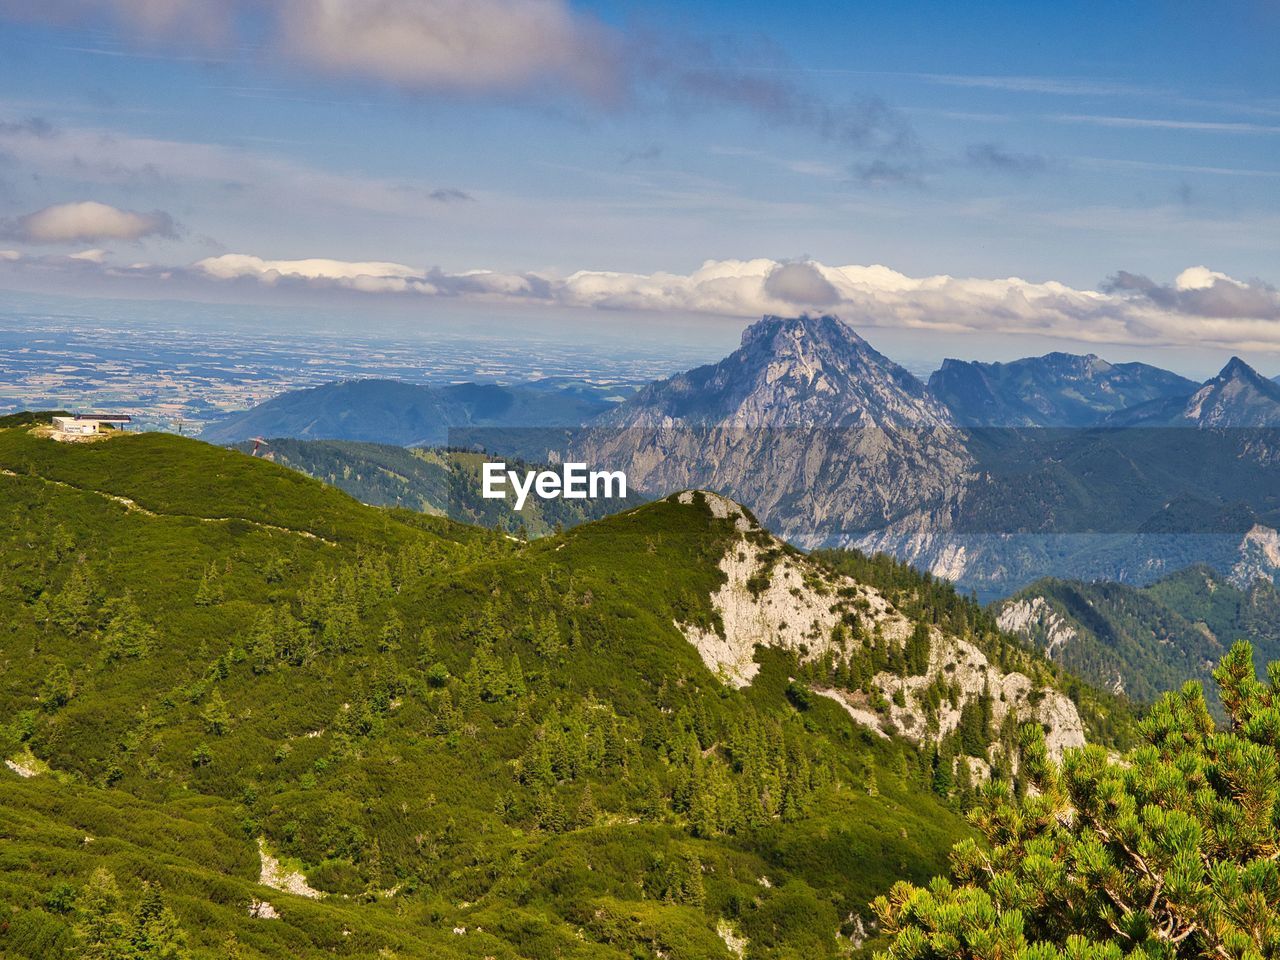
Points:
(262, 644)
(76, 606)
(586, 808)
(486, 674)
(692, 889)
(917, 650)
(516, 688)
(1171, 852)
(215, 715)
(292, 641)
(100, 926)
(972, 734)
(964, 782)
(547, 640)
(210, 591)
(340, 626)
(392, 634)
(126, 633)
(57, 688)
(943, 764)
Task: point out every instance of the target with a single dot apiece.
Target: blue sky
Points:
(592, 157)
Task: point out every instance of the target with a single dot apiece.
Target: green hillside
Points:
(1147, 640)
(416, 478)
(244, 715)
(426, 479)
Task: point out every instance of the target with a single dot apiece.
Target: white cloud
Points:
(494, 46)
(230, 266)
(10, 255)
(89, 220)
(1204, 307)
(1200, 307)
(475, 45)
(89, 256)
(1198, 278)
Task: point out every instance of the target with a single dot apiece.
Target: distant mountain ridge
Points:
(834, 444)
(1055, 390)
(1238, 397)
(410, 415)
(992, 475)
(788, 372)
(427, 480)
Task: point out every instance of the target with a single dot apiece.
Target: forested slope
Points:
(244, 715)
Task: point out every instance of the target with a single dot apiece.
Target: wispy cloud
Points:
(643, 155)
(1161, 123)
(137, 54)
(450, 195)
(1053, 86)
(189, 21)
(522, 51)
(1058, 86)
(882, 172)
(1125, 164)
(94, 156)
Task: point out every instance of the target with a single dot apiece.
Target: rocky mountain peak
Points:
(817, 348)
(1084, 363)
(805, 416)
(803, 333)
(808, 371)
(1238, 396)
(1237, 369)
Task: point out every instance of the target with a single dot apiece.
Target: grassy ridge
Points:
(439, 727)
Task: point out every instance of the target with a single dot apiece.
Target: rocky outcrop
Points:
(273, 875)
(26, 764)
(774, 596)
(734, 942)
(1259, 557)
(21, 768)
(1034, 619)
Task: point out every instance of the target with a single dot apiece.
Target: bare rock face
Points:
(1259, 557)
(273, 875)
(809, 424)
(1237, 397)
(1034, 619)
(774, 596)
(833, 444)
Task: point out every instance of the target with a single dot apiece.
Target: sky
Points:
(986, 179)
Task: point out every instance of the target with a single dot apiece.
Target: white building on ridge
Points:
(89, 424)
